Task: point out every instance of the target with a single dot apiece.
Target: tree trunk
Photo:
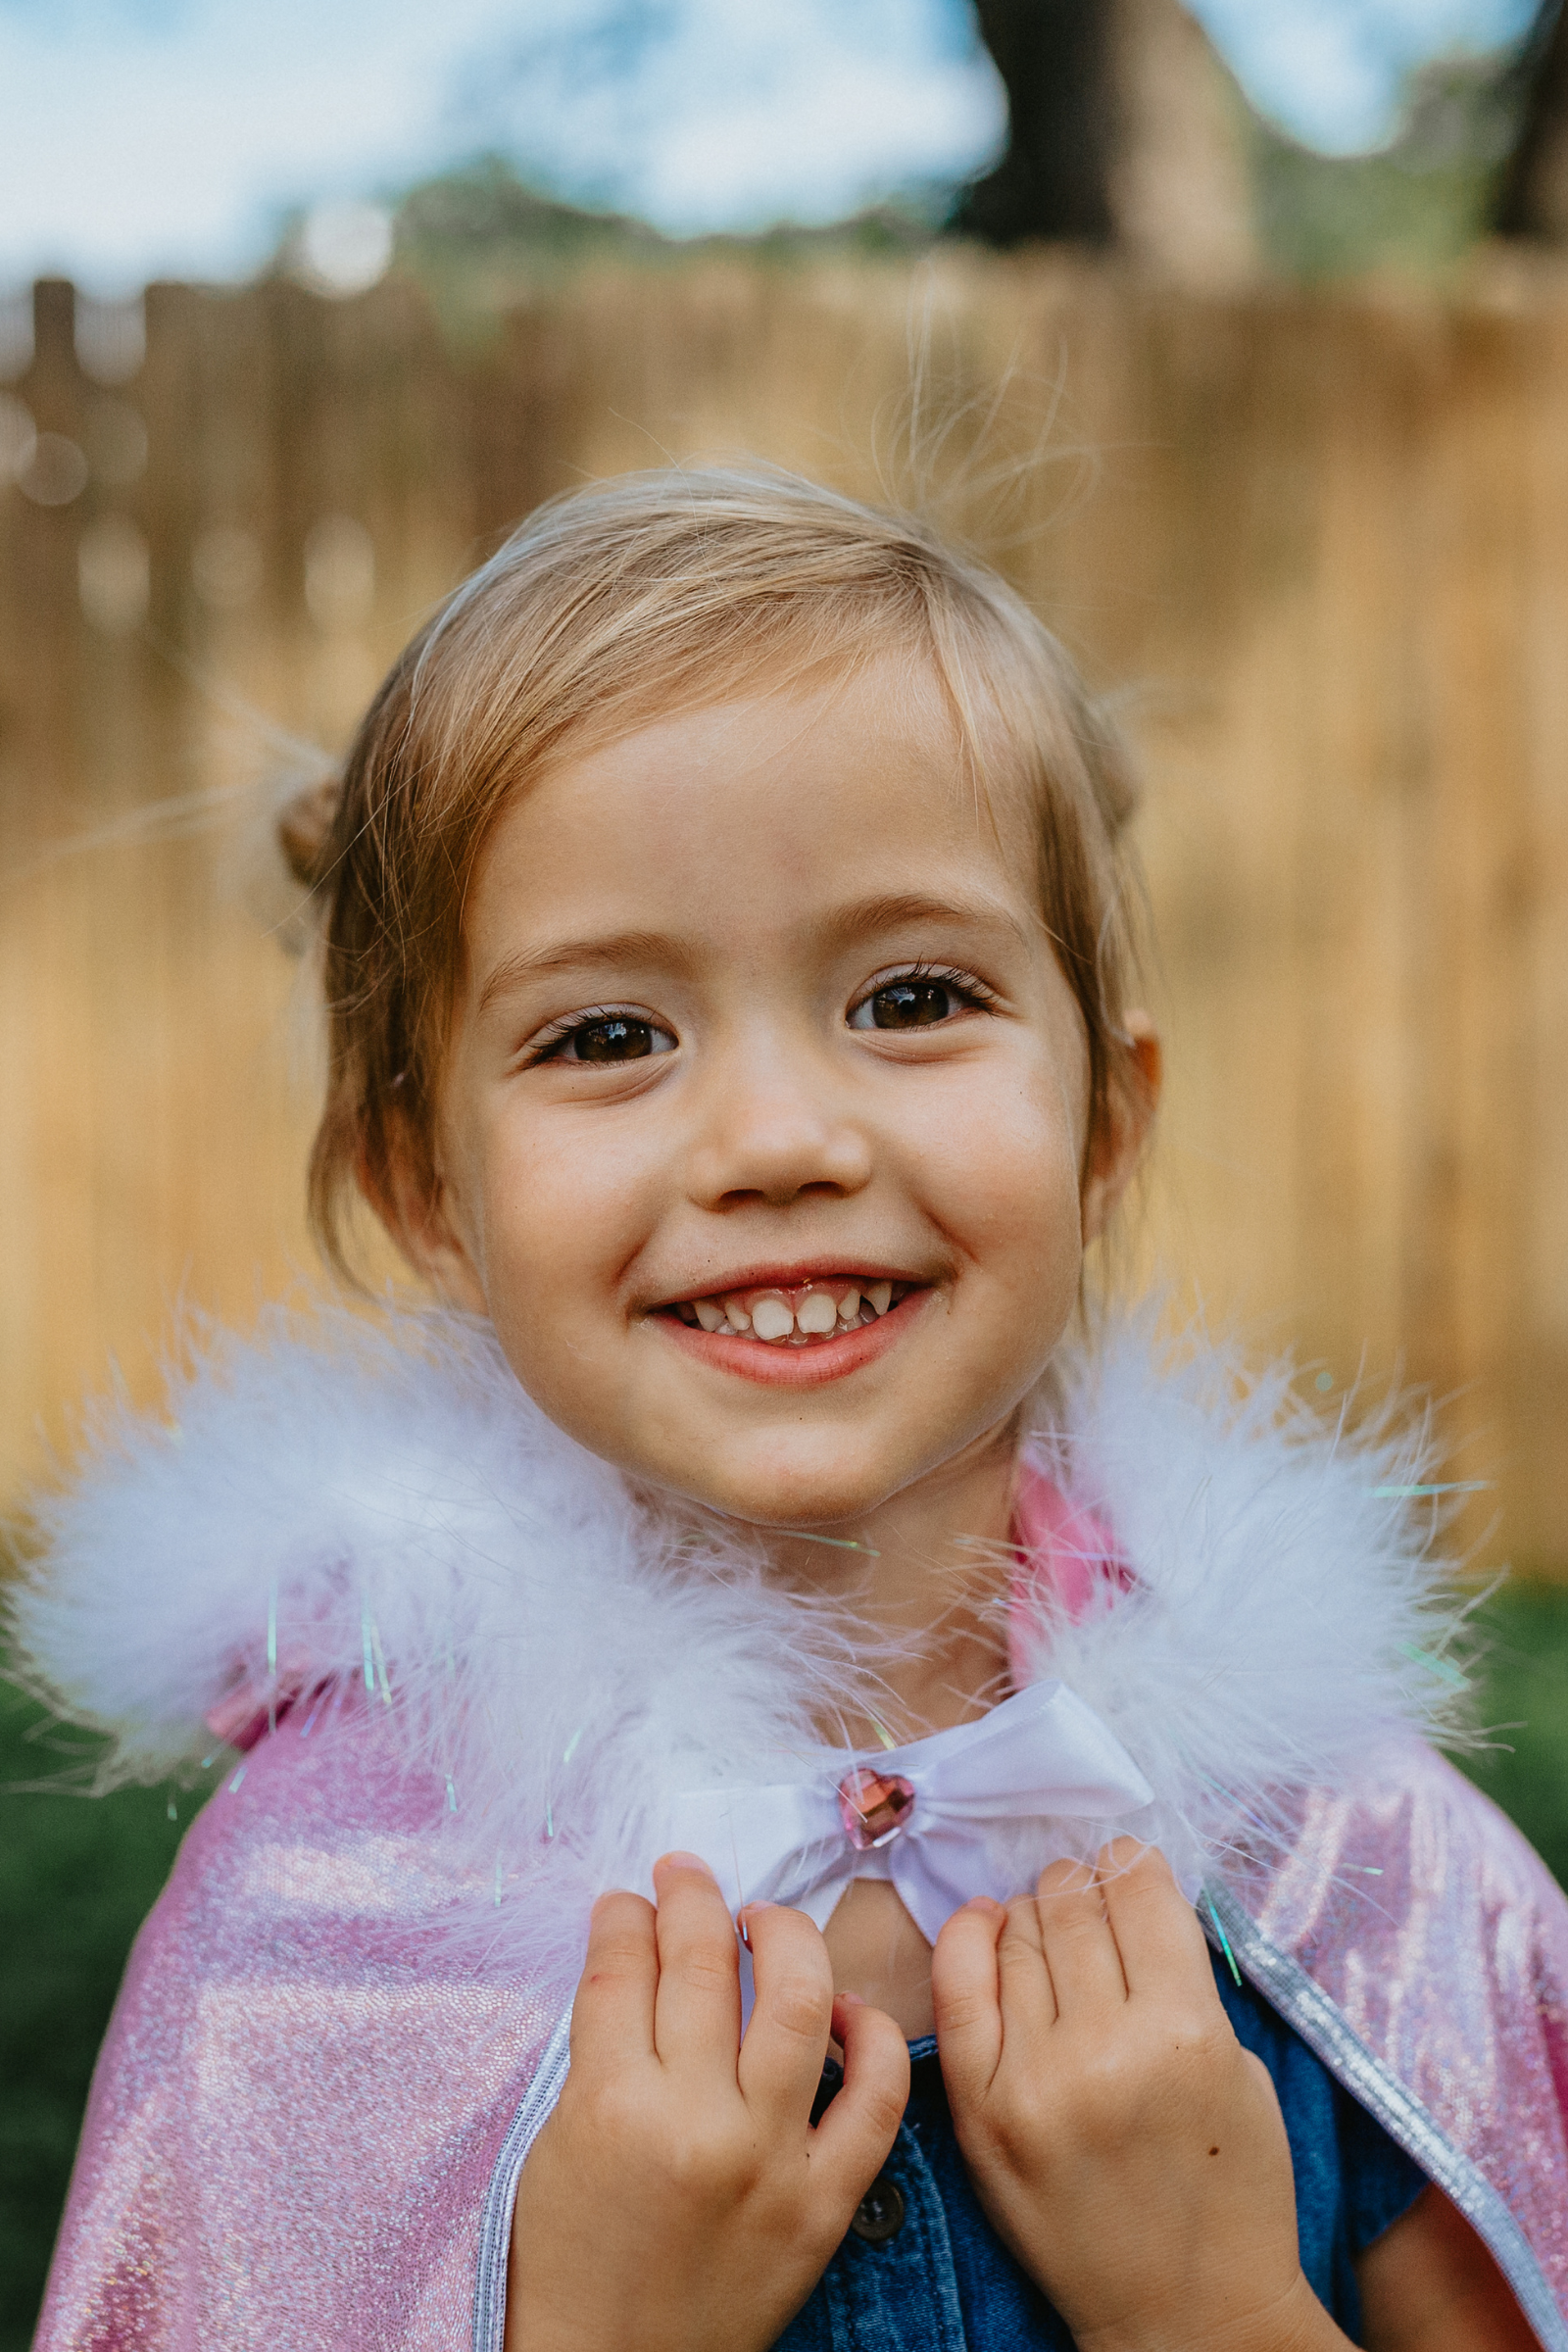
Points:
(1126, 129)
(1534, 201)
(1055, 59)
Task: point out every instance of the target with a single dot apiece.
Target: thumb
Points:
(850, 2144)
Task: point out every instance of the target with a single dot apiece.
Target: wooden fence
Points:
(1320, 543)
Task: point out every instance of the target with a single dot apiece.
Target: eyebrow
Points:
(622, 948)
(844, 925)
(867, 916)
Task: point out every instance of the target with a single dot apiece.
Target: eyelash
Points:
(561, 1033)
(964, 985)
(943, 975)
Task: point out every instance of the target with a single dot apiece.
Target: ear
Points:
(1129, 1115)
(417, 1206)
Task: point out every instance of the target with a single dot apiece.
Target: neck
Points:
(921, 1579)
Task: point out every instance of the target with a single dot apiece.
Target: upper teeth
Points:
(778, 1316)
(773, 1318)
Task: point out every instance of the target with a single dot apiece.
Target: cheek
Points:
(557, 1230)
(565, 1205)
(1002, 1171)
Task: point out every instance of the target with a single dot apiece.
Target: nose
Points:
(775, 1126)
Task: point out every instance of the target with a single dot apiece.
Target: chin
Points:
(798, 1494)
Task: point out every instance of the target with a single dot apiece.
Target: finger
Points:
(1080, 1950)
(792, 2015)
(966, 1994)
(1157, 1931)
(852, 2142)
(613, 2013)
(1029, 2006)
(697, 2009)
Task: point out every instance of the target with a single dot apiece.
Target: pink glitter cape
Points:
(316, 2095)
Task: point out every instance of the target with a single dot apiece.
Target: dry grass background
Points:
(1318, 543)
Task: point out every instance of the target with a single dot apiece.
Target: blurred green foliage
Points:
(77, 1874)
(474, 239)
(1415, 207)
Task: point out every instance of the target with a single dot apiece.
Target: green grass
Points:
(77, 1874)
(1525, 1631)
(77, 1878)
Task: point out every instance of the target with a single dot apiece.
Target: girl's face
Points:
(763, 1116)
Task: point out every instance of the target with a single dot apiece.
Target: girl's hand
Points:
(679, 2198)
(1126, 2147)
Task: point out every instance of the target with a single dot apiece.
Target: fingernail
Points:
(684, 1861)
(851, 2000)
(985, 1902)
(743, 1920)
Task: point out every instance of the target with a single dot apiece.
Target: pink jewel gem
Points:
(875, 1806)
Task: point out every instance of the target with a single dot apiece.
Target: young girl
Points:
(727, 969)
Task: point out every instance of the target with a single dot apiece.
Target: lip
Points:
(769, 1277)
(796, 1367)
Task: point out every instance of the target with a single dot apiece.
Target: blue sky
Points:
(165, 137)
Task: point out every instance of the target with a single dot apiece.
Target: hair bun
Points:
(305, 824)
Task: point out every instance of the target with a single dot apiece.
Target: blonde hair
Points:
(651, 593)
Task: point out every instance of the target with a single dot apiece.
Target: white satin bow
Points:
(1038, 1757)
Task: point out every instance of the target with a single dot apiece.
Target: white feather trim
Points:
(1287, 1612)
(342, 1499)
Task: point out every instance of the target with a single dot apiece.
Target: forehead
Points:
(761, 801)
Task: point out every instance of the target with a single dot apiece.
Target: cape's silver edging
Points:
(495, 2229)
(1323, 2026)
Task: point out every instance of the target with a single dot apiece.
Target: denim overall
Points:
(922, 2271)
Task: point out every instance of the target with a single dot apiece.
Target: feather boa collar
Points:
(341, 1500)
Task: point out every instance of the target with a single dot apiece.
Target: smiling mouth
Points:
(805, 1315)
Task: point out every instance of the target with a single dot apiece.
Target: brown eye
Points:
(615, 1040)
(910, 1005)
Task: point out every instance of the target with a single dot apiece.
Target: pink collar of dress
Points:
(1066, 1559)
